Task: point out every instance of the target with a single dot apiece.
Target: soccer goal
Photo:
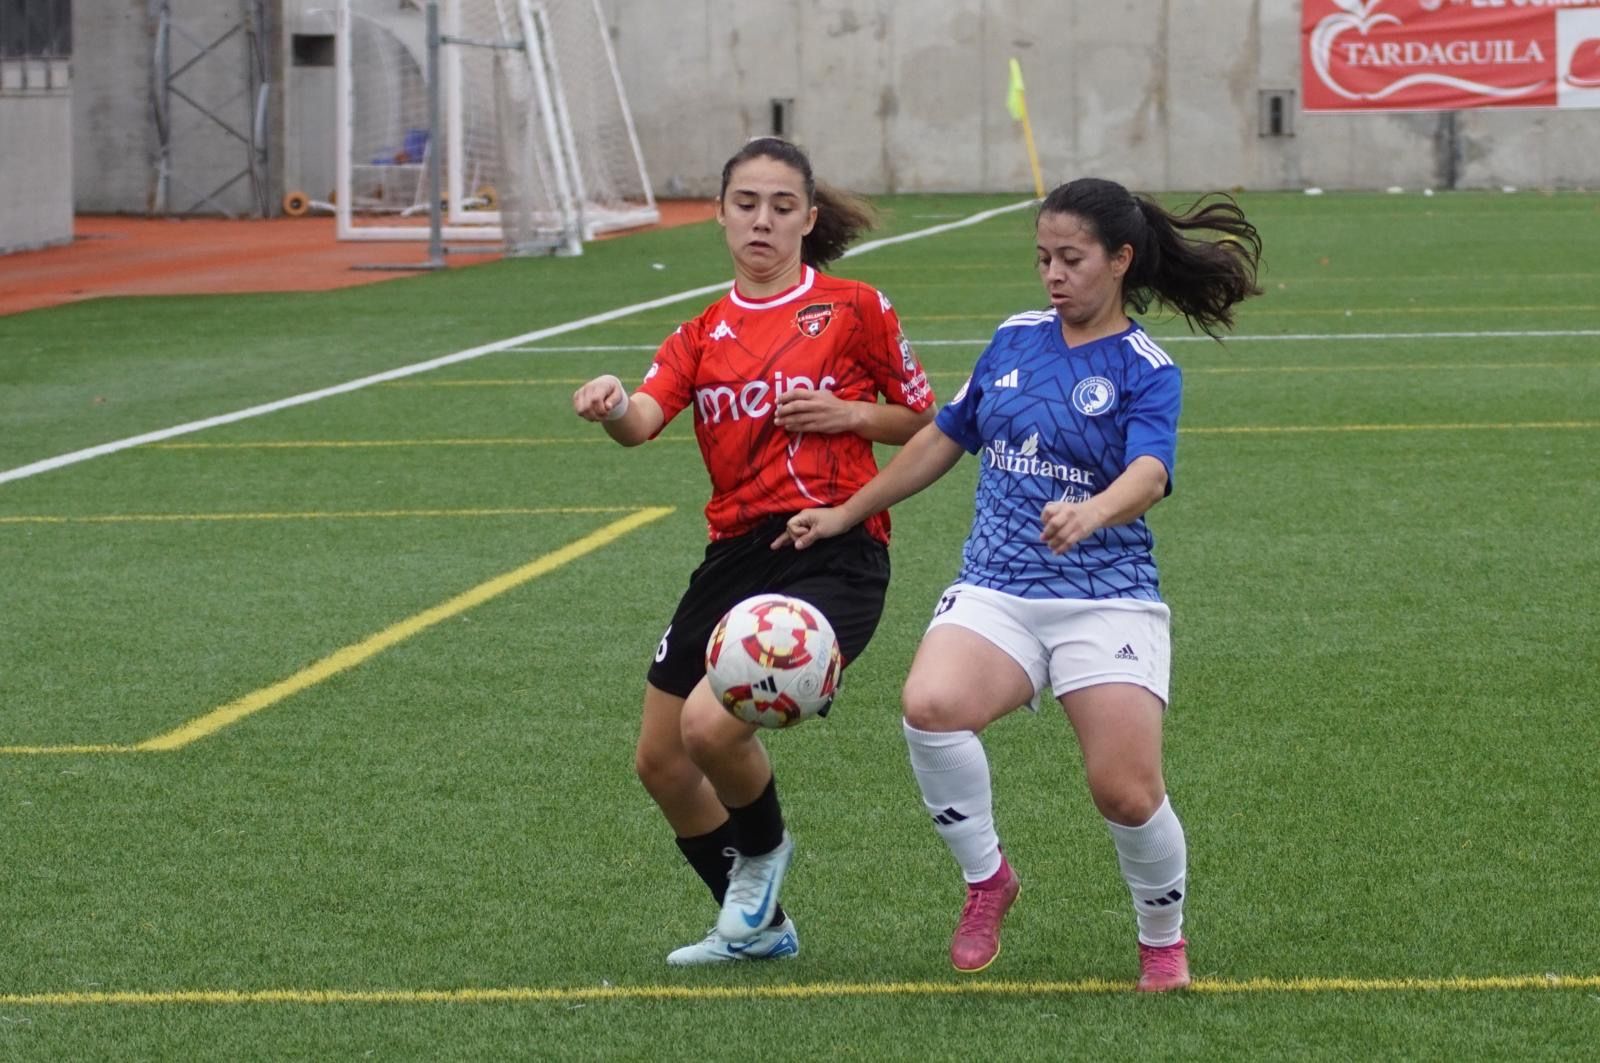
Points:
(538, 148)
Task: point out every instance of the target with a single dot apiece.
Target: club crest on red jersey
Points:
(908, 358)
(813, 319)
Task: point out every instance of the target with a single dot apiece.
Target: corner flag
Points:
(1017, 104)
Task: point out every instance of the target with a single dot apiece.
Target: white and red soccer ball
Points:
(773, 661)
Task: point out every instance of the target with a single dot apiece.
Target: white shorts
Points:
(1071, 643)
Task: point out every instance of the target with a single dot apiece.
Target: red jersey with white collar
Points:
(733, 361)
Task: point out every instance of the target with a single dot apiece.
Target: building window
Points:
(1275, 115)
(35, 29)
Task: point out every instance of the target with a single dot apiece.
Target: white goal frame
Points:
(575, 216)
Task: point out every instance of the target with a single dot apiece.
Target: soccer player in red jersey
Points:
(783, 375)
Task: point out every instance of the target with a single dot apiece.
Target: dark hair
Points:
(841, 216)
(1199, 278)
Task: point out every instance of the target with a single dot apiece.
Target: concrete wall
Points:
(897, 95)
(35, 153)
(309, 154)
(113, 139)
(889, 95)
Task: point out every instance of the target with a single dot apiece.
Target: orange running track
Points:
(121, 255)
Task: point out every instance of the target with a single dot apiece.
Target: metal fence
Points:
(35, 29)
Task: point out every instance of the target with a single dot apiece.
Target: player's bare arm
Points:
(630, 420)
(810, 410)
(929, 455)
(1141, 485)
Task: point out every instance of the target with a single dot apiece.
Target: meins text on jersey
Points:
(754, 398)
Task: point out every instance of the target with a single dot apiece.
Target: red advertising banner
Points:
(1439, 55)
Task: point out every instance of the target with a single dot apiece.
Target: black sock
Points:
(760, 823)
(759, 827)
(706, 854)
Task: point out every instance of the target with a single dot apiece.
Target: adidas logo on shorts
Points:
(1126, 653)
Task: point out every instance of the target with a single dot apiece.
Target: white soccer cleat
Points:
(753, 892)
(774, 943)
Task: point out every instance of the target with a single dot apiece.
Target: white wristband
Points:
(616, 412)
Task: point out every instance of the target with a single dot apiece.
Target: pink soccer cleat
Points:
(1163, 967)
(977, 939)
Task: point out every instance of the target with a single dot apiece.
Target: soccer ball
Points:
(773, 661)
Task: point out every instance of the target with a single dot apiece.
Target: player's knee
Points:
(664, 772)
(928, 706)
(1128, 800)
(706, 735)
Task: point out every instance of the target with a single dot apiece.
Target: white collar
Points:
(807, 277)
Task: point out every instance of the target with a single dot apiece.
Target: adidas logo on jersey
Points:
(1010, 380)
(723, 332)
(1126, 653)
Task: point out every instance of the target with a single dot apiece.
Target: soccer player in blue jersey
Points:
(1073, 413)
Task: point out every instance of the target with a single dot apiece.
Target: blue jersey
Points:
(1053, 422)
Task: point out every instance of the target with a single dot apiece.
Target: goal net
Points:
(538, 149)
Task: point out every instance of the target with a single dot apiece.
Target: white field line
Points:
(1295, 337)
(102, 449)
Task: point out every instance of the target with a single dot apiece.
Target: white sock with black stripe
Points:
(1154, 859)
(953, 772)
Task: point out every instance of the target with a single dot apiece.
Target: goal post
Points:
(612, 184)
(538, 148)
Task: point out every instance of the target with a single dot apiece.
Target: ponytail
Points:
(841, 218)
(1202, 279)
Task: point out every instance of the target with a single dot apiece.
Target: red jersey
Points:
(738, 356)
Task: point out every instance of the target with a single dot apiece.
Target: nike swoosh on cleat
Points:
(753, 920)
(739, 948)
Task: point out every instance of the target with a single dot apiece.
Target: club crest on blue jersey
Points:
(811, 320)
(1093, 396)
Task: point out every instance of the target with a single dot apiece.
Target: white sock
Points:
(1154, 863)
(953, 773)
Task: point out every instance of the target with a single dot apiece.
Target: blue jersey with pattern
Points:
(1049, 422)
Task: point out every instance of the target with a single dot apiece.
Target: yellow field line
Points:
(1450, 366)
(364, 514)
(350, 656)
(810, 991)
(1232, 370)
(296, 444)
(1256, 312)
(33, 751)
(483, 383)
(952, 374)
(1222, 430)
(885, 268)
(1487, 426)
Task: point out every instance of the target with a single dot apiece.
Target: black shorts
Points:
(846, 577)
